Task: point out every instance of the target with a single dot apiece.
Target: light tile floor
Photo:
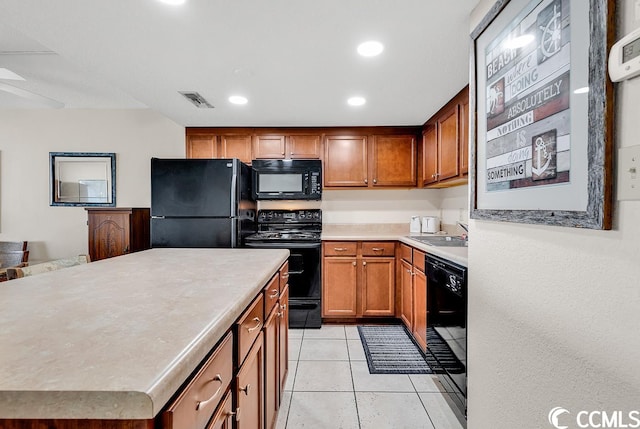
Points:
(329, 386)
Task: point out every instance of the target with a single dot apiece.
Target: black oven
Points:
(447, 325)
(287, 179)
(299, 232)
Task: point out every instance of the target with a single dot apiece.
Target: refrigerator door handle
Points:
(234, 194)
(157, 217)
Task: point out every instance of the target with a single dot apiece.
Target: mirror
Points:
(83, 179)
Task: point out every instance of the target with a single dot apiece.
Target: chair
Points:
(19, 272)
(13, 253)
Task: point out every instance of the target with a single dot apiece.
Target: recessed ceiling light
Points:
(173, 2)
(238, 99)
(582, 90)
(519, 42)
(9, 75)
(356, 101)
(370, 48)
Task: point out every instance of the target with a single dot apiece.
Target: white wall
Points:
(553, 312)
(27, 137)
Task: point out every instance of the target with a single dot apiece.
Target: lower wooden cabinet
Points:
(358, 279)
(223, 418)
(250, 388)
(413, 290)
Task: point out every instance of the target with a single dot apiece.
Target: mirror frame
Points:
(109, 161)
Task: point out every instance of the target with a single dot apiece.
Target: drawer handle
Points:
(274, 294)
(285, 275)
(246, 389)
(377, 249)
(283, 308)
(340, 249)
(202, 404)
(258, 323)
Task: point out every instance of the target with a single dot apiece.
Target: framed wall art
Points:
(542, 133)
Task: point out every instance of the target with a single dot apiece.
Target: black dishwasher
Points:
(447, 325)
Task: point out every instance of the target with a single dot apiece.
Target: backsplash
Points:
(385, 206)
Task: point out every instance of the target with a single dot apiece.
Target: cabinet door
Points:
(448, 144)
(420, 308)
(394, 161)
(345, 161)
(339, 287)
(429, 155)
(108, 235)
(269, 147)
(378, 295)
(406, 290)
(464, 136)
(202, 146)
(283, 340)
(271, 361)
(304, 146)
(236, 146)
(250, 389)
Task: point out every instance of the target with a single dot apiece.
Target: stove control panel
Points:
(290, 216)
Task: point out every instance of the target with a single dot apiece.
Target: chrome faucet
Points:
(466, 229)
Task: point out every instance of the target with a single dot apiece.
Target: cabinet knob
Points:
(246, 389)
(366, 181)
(354, 263)
(364, 263)
(375, 181)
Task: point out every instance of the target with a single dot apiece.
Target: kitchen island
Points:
(116, 339)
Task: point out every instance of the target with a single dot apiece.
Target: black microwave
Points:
(287, 179)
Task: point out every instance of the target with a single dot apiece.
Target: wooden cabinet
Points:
(117, 231)
(358, 279)
(444, 151)
(215, 143)
(222, 418)
(250, 388)
(296, 146)
(271, 362)
(394, 161)
(370, 161)
(283, 339)
(236, 146)
(413, 288)
(345, 161)
(202, 146)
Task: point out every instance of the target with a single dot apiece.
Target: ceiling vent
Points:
(197, 99)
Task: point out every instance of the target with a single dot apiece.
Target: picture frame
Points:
(541, 151)
(83, 179)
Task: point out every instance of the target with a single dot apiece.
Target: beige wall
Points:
(553, 312)
(27, 137)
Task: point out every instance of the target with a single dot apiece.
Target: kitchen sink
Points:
(441, 240)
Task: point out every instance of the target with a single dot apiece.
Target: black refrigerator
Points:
(201, 203)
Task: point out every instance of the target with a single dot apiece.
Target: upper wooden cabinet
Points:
(236, 146)
(345, 161)
(202, 146)
(370, 161)
(296, 146)
(394, 161)
(444, 151)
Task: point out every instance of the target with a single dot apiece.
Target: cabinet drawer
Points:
(284, 276)
(222, 417)
(248, 327)
(378, 248)
(340, 248)
(197, 402)
(405, 253)
(418, 259)
(271, 294)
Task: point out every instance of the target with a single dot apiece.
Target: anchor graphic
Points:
(541, 150)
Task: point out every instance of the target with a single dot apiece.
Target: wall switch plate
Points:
(629, 173)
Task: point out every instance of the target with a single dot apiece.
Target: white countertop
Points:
(115, 339)
(392, 233)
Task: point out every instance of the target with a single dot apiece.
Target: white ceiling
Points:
(295, 60)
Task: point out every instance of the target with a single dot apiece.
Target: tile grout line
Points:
(355, 397)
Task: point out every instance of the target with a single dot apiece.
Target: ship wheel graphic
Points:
(552, 35)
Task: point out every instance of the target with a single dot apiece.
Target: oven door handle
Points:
(284, 245)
